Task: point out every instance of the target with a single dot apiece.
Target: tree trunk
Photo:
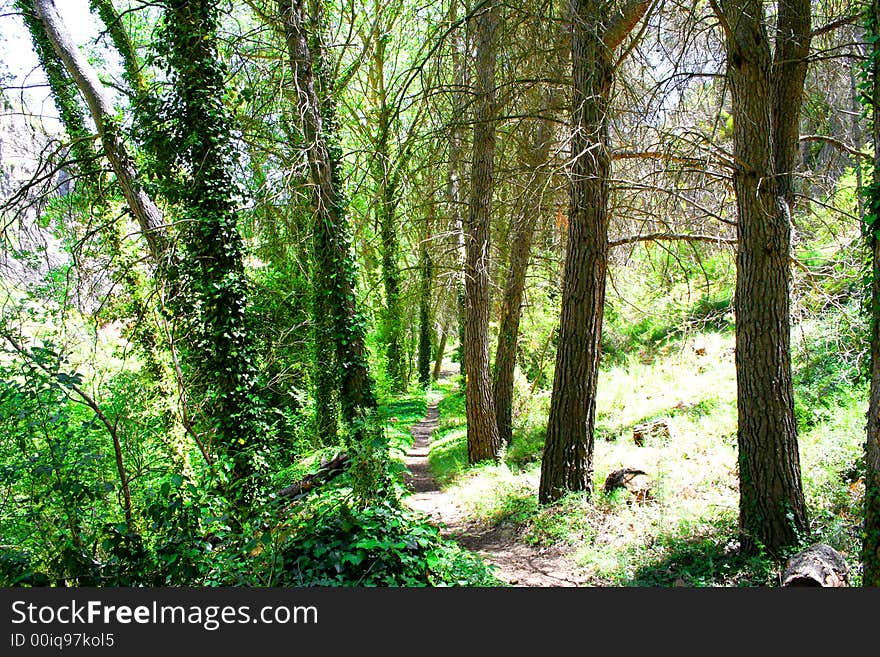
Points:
(772, 509)
(441, 350)
(213, 294)
(567, 464)
(871, 541)
(384, 175)
(454, 191)
(148, 216)
(334, 268)
(818, 565)
(426, 272)
(538, 152)
(482, 430)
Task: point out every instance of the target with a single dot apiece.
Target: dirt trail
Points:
(517, 563)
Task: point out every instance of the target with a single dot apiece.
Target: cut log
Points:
(656, 429)
(328, 470)
(818, 565)
(635, 481)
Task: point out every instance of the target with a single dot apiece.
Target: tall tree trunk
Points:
(441, 350)
(537, 152)
(332, 249)
(871, 540)
(392, 323)
(454, 191)
(426, 277)
(334, 265)
(212, 281)
(145, 211)
(384, 175)
(567, 464)
(482, 429)
(772, 509)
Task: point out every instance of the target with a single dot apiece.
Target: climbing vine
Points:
(189, 138)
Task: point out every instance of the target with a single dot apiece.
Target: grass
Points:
(685, 535)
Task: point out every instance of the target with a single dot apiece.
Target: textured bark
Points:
(454, 192)
(148, 216)
(871, 540)
(384, 175)
(482, 430)
(426, 273)
(772, 509)
(441, 350)
(818, 565)
(567, 464)
(535, 158)
(334, 284)
(789, 72)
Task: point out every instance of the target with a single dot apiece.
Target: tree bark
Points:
(871, 539)
(145, 211)
(454, 191)
(567, 464)
(535, 158)
(384, 175)
(441, 350)
(334, 266)
(426, 277)
(482, 429)
(818, 565)
(772, 509)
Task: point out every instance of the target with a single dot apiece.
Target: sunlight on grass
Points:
(686, 534)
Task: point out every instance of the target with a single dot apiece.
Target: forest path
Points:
(517, 563)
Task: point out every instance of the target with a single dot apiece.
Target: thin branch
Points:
(671, 237)
(839, 145)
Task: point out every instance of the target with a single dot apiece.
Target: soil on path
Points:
(517, 563)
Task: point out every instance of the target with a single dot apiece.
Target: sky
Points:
(18, 63)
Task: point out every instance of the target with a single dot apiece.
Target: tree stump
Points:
(818, 565)
(637, 482)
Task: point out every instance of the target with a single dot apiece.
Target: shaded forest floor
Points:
(516, 562)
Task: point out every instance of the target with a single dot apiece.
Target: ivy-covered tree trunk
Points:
(772, 509)
(871, 538)
(212, 290)
(340, 353)
(392, 324)
(384, 172)
(482, 429)
(567, 464)
(426, 277)
(334, 272)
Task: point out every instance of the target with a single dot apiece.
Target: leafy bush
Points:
(331, 544)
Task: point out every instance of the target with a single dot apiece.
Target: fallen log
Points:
(637, 482)
(818, 565)
(329, 470)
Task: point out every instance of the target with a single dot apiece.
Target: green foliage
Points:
(61, 486)
(330, 544)
(701, 561)
(66, 97)
(669, 293)
(829, 361)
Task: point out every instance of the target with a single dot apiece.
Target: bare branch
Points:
(671, 237)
